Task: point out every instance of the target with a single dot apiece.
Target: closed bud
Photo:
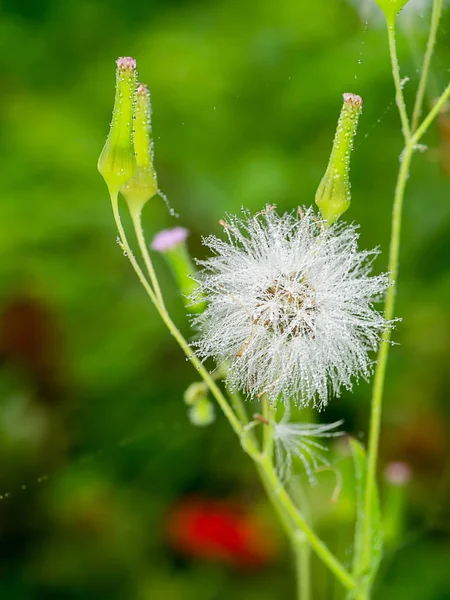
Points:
(172, 245)
(333, 194)
(391, 8)
(202, 413)
(143, 185)
(397, 476)
(195, 393)
(117, 162)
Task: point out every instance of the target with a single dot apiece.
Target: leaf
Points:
(376, 543)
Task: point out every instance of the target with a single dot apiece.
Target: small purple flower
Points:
(167, 239)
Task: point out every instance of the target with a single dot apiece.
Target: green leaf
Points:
(376, 543)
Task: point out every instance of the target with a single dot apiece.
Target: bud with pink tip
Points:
(117, 162)
(172, 244)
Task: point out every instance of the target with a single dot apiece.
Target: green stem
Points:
(389, 306)
(322, 551)
(431, 115)
(399, 98)
(137, 223)
(216, 392)
(238, 405)
(435, 18)
(268, 414)
(303, 560)
(383, 353)
(285, 507)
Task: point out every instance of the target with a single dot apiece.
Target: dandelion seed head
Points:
(290, 306)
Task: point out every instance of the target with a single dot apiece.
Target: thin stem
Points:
(399, 98)
(268, 414)
(303, 560)
(285, 520)
(284, 505)
(216, 392)
(322, 551)
(238, 406)
(137, 223)
(435, 17)
(431, 115)
(129, 252)
(383, 352)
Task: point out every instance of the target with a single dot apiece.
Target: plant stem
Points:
(215, 390)
(435, 18)
(383, 353)
(399, 98)
(137, 223)
(268, 414)
(285, 507)
(322, 551)
(431, 115)
(303, 560)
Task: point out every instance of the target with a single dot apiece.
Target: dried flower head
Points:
(290, 306)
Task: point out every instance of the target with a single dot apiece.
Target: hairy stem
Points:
(215, 390)
(137, 224)
(389, 306)
(285, 507)
(282, 498)
(435, 18)
(399, 97)
(431, 115)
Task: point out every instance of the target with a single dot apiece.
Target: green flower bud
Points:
(143, 185)
(202, 413)
(391, 8)
(195, 393)
(117, 162)
(333, 194)
(172, 244)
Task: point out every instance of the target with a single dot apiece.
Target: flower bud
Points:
(333, 194)
(117, 162)
(143, 185)
(195, 393)
(391, 8)
(172, 244)
(202, 413)
(397, 476)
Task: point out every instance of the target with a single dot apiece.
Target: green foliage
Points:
(376, 545)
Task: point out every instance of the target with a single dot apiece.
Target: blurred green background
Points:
(96, 450)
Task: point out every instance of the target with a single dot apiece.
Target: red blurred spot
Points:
(205, 528)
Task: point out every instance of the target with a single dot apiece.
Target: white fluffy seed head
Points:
(290, 306)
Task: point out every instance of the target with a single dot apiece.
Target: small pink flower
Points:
(169, 238)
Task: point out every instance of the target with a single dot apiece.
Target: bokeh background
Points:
(106, 489)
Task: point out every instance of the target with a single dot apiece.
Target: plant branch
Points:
(137, 223)
(215, 390)
(399, 97)
(431, 116)
(435, 18)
